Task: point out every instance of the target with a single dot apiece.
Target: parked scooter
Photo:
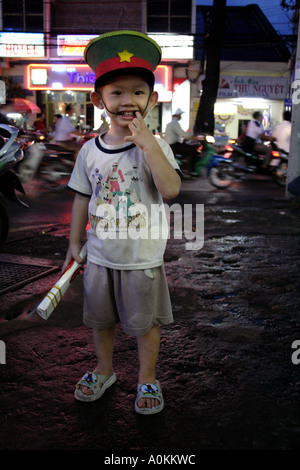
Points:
(51, 163)
(224, 170)
(204, 149)
(10, 154)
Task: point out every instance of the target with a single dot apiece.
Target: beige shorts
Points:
(138, 299)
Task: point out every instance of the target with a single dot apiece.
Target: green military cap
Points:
(120, 50)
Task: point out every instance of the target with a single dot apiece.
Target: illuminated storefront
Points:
(58, 75)
(69, 81)
(241, 94)
(72, 83)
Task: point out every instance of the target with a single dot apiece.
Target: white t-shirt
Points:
(282, 133)
(128, 224)
(63, 129)
(254, 130)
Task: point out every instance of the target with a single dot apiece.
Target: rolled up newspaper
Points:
(54, 296)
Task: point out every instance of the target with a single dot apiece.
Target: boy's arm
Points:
(166, 179)
(79, 221)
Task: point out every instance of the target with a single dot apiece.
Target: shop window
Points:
(54, 102)
(12, 7)
(13, 23)
(181, 8)
(180, 25)
(33, 23)
(68, 96)
(171, 16)
(161, 7)
(34, 6)
(80, 98)
(22, 15)
(53, 97)
(158, 24)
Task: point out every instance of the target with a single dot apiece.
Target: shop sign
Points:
(175, 46)
(22, 45)
(59, 77)
(273, 88)
(72, 45)
(81, 77)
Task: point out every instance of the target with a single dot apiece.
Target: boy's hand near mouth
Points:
(141, 136)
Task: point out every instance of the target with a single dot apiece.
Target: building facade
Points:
(42, 44)
(254, 69)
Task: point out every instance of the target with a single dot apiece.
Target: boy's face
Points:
(125, 95)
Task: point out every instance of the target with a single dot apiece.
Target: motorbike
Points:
(204, 149)
(10, 154)
(235, 163)
(51, 163)
(279, 164)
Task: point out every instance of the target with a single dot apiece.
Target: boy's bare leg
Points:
(148, 347)
(104, 344)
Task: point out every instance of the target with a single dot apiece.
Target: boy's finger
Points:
(131, 127)
(138, 116)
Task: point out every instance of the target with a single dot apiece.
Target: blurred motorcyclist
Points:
(65, 131)
(175, 134)
(282, 132)
(254, 138)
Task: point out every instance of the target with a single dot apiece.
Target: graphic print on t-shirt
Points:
(117, 194)
(114, 178)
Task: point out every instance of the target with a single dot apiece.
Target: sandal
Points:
(149, 391)
(97, 383)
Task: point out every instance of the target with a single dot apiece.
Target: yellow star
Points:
(125, 56)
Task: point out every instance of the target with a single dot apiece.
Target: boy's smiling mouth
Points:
(127, 113)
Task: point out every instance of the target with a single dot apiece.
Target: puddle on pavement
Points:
(217, 296)
(225, 296)
(205, 255)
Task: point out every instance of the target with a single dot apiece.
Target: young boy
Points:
(119, 178)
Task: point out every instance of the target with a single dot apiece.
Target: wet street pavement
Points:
(228, 364)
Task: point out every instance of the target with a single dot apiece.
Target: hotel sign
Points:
(22, 45)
